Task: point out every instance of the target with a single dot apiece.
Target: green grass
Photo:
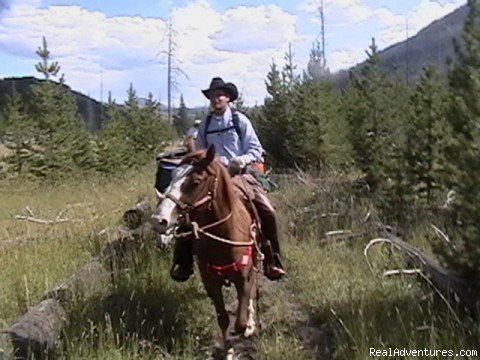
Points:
(35, 257)
(364, 310)
(332, 305)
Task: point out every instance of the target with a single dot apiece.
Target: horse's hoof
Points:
(249, 331)
(239, 330)
(230, 354)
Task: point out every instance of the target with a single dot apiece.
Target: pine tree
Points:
(44, 67)
(376, 116)
(464, 150)
(364, 98)
(152, 104)
(320, 136)
(131, 136)
(62, 143)
(132, 99)
(316, 68)
(274, 81)
(181, 120)
(427, 134)
(273, 124)
(19, 134)
(289, 77)
(239, 104)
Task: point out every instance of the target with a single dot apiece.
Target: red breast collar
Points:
(225, 271)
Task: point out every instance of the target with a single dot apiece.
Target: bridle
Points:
(186, 209)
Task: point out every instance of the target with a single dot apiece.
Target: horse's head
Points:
(193, 185)
(165, 214)
(201, 184)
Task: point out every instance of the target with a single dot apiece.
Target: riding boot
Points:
(182, 267)
(270, 245)
(273, 267)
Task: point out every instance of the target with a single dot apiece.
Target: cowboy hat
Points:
(217, 83)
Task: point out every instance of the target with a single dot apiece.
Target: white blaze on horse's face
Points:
(165, 214)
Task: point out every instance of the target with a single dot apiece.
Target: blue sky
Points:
(104, 46)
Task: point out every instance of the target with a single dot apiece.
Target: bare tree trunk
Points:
(169, 73)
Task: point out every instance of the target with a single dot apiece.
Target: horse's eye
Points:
(196, 176)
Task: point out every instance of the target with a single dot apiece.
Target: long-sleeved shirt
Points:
(192, 132)
(227, 143)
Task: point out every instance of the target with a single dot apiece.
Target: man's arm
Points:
(201, 142)
(190, 144)
(252, 149)
(189, 141)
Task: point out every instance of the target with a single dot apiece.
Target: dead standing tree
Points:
(172, 69)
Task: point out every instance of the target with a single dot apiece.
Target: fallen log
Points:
(444, 280)
(138, 215)
(92, 279)
(37, 333)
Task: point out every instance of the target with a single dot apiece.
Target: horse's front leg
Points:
(245, 323)
(214, 291)
(251, 320)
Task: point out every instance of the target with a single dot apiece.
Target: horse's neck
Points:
(231, 203)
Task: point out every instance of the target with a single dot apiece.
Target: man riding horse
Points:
(238, 146)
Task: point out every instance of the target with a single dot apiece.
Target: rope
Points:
(259, 235)
(196, 229)
(220, 239)
(208, 226)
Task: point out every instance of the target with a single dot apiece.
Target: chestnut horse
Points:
(224, 235)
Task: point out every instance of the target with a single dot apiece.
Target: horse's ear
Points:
(210, 154)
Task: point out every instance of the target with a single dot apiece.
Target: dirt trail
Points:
(316, 339)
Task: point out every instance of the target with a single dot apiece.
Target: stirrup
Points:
(180, 273)
(274, 273)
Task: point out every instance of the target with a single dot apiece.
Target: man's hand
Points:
(237, 164)
(240, 161)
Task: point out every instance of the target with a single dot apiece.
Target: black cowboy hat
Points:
(217, 83)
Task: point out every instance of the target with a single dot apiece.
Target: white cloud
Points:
(91, 34)
(345, 58)
(394, 26)
(354, 10)
(237, 45)
(194, 33)
(248, 29)
(429, 10)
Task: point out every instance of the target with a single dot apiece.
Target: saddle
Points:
(244, 185)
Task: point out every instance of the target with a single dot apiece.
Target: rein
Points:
(185, 207)
(196, 228)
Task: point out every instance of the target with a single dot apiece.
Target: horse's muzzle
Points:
(159, 225)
